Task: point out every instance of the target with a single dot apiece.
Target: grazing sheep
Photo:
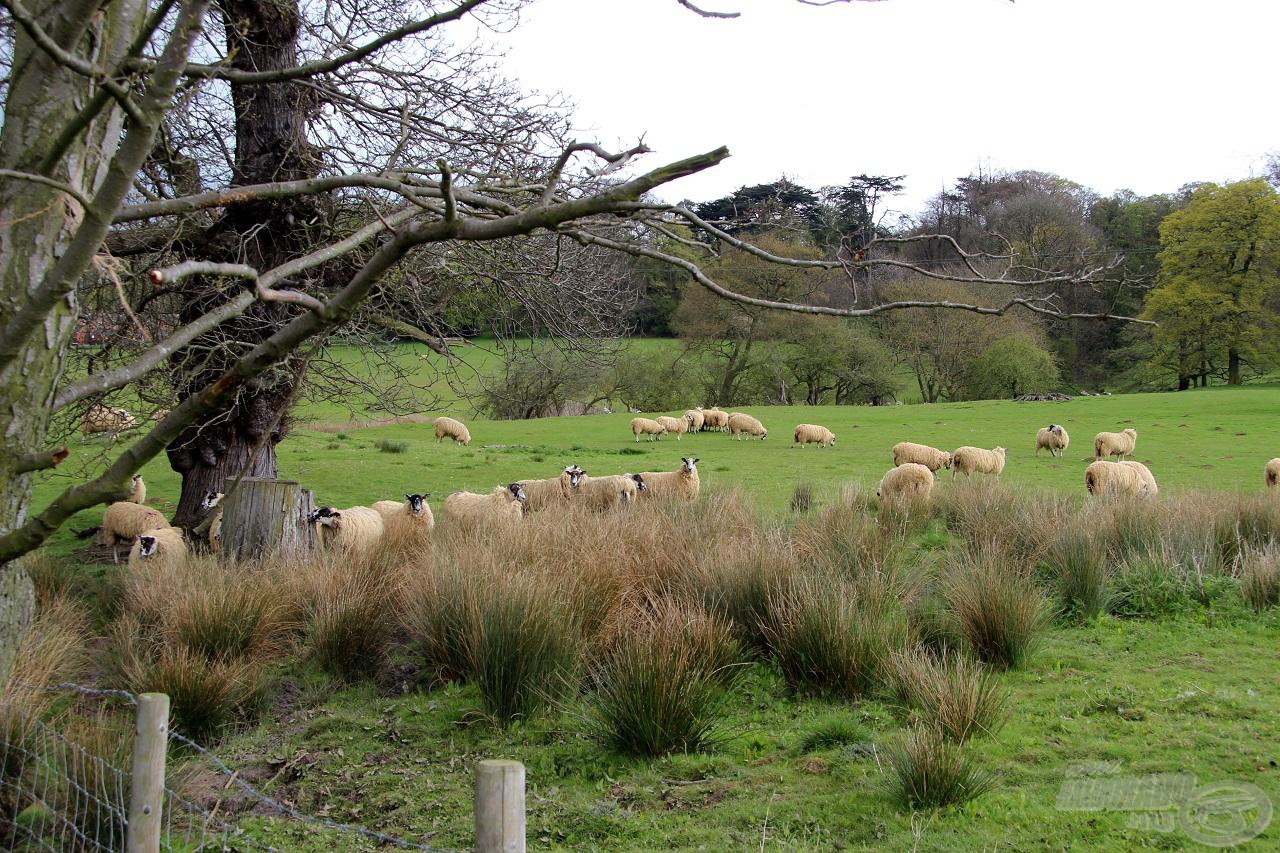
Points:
(137, 490)
(1053, 438)
(909, 481)
(1115, 443)
(504, 504)
(676, 426)
(921, 454)
(741, 423)
(210, 503)
(696, 419)
(814, 434)
(681, 483)
(714, 420)
(123, 521)
(617, 490)
(1131, 479)
(975, 460)
(541, 494)
(159, 547)
(456, 430)
(413, 513)
(1273, 473)
(101, 418)
(647, 426)
(356, 528)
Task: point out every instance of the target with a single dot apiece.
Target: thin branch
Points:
(177, 272)
(446, 190)
(615, 161)
(706, 14)
(48, 182)
(409, 330)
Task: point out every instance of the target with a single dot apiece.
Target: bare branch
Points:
(446, 190)
(614, 161)
(704, 13)
(49, 182)
(177, 272)
(409, 330)
(41, 460)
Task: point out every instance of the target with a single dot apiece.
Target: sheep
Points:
(159, 547)
(137, 490)
(648, 427)
(922, 454)
(1115, 443)
(715, 420)
(1053, 438)
(356, 528)
(696, 419)
(211, 503)
(909, 481)
(1132, 479)
(681, 483)
(504, 504)
(455, 430)
(1272, 477)
(814, 434)
(617, 490)
(975, 460)
(675, 426)
(413, 513)
(540, 494)
(740, 422)
(101, 418)
(124, 520)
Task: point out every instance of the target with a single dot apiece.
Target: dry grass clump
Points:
(930, 771)
(849, 543)
(345, 604)
(996, 606)
(1260, 577)
(1081, 569)
(988, 515)
(436, 608)
(957, 695)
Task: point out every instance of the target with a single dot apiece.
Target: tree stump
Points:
(262, 517)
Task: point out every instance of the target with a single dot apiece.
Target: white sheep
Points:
(1119, 444)
(123, 521)
(740, 423)
(1132, 479)
(356, 528)
(137, 490)
(675, 426)
(922, 454)
(681, 483)
(413, 513)
(647, 426)
(616, 490)
(814, 434)
(1053, 438)
(503, 504)
(540, 494)
(976, 460)
(1272, 475)
(100, 418)
(455, 430)
(211, 502)
(909, 481)
(696, 419)
(714, 420)
(159, 547)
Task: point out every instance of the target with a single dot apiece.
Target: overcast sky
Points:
(1139, 94)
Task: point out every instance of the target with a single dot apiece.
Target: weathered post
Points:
(500, 807)
(262, 517)
(146, 791)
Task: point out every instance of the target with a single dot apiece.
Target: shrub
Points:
(1260, 578)
(955, 694)
(737, 588)
(929, 771)
(225, 613)
(1147, 587)
(990, 516)
(1078, 560)
(386, 445)
(660, 683)
(997, 609)
(849, 543)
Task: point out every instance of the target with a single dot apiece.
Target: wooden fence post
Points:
(146, 791)
(262, 517)
(500, 807)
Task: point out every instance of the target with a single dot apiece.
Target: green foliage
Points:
(929, 771)
(1078, 560)
(656, 383)
(1010, 367)
(386, 445)
(833, 731)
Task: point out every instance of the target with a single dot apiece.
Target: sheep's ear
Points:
(408, 497)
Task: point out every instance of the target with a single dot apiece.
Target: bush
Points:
(660, 684)
(1010, 367)
(997, 608)
(930, 771)
(1078, 560)
(386, 445)
(954, 694)
(1260, 578)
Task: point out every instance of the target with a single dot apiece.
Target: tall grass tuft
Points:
(387, 445)
(660, 683)
(997, 608)
(1078, 560)
(347, 605)
(1260, 577)
(737, 587)
(436, 611)
(988, 515)
(92, 789)
(929, 771)
(802, 498)
(851, 544)
(831, 638)
(955, 694)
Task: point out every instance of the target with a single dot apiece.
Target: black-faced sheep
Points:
(505, 504)
(413, 513)
(123, 521)
(540, 494)
(160, 547)
(357, 528)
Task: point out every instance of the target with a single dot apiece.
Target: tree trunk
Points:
(271, 145)
(1233, 366)
(1184, 382)
(36, 224)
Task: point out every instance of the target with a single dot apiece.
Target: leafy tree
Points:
(831, 361)
(757, 209)
(1218, 282)
(1011, 367)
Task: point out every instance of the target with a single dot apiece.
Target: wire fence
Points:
(65, 785)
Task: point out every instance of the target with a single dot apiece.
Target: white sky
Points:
(1138, 94)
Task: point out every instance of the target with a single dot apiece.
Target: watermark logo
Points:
(1220, 814)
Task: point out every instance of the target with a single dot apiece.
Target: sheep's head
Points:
(641, 485)
(690, 464)
(575, 476)
(211, 499)
(325, 516)
(517, 492)
(417, 502)
(999, 451)
(764, 434)
(951, 460)
(147, 546)
(137, 478)
(1131, 432)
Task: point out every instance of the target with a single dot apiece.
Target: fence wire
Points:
(64, 786)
